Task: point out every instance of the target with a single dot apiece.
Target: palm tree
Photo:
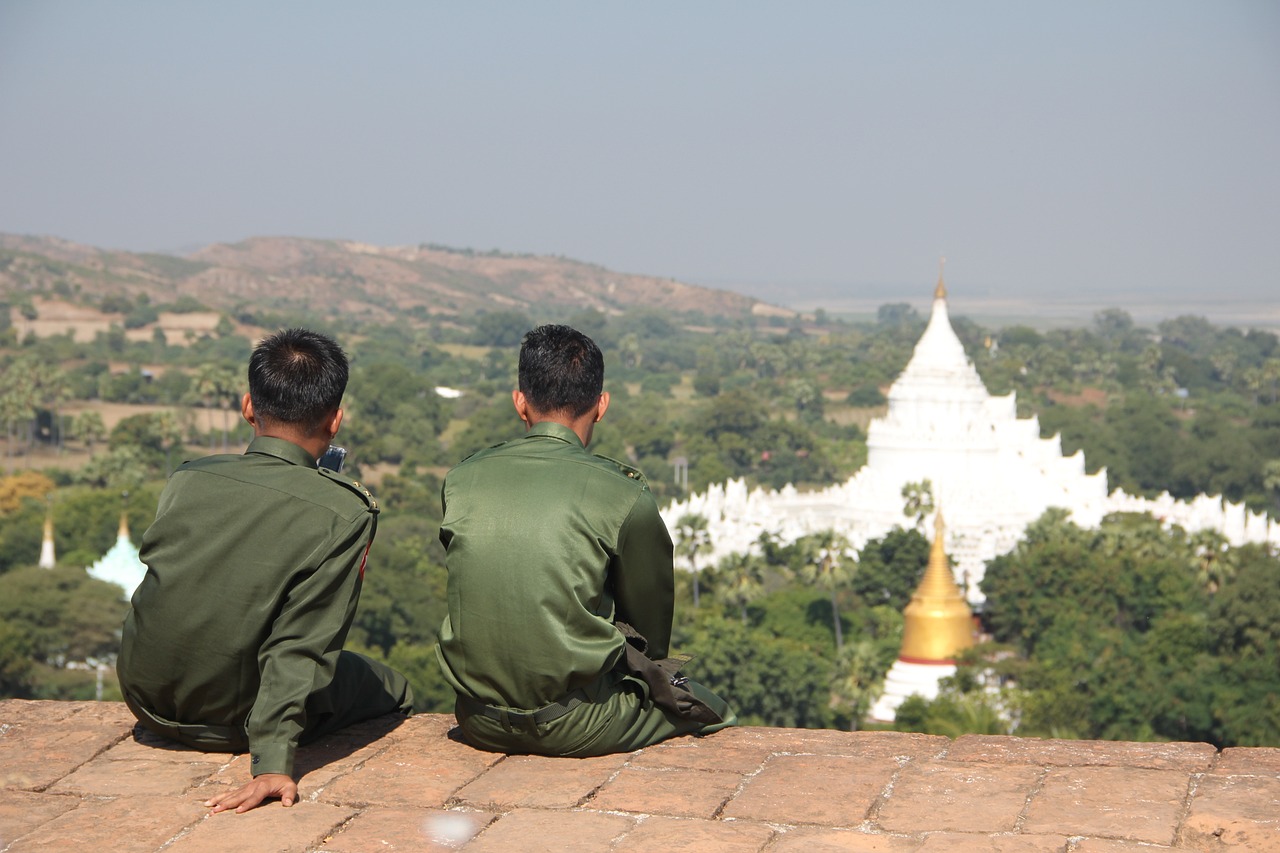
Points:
(692, 539)
(828, 566)
(89, 428)
(1215, 561)
(740, 580)
(217, 384)
(17, 405)
(918, 501)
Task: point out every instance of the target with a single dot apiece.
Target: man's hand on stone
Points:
(262, 787)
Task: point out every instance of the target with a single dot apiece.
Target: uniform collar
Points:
(281, 449)
(551, 429)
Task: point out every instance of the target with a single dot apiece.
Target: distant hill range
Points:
(368, 282)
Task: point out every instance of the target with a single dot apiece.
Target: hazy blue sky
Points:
(790, 150)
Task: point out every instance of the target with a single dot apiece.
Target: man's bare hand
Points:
(262, 787)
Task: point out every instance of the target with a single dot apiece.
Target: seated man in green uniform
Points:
(254, 566)
(547, 546)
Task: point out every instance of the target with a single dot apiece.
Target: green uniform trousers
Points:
(616, 716)
(361, 690)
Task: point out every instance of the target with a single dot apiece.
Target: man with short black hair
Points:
(553, 554)
(254, 567)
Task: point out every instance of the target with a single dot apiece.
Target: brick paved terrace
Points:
(78, 776)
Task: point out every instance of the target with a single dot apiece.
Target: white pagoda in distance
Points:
(989, 468)
(121, 565)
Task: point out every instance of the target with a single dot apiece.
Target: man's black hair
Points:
(561, 370)
(297, 377)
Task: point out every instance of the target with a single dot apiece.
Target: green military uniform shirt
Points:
(254, 567)
(546, 546)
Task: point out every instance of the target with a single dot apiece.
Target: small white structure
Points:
(121, 565)
(989, 468)
(47, 557)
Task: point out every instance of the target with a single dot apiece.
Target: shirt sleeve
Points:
(644, 575)
(301, 653)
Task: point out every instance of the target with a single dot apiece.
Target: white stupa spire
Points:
(47, 557)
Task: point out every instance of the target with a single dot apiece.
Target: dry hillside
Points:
(368, 281)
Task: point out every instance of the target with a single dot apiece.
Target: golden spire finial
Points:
(940, 292)
(123, 532)
(939, 622)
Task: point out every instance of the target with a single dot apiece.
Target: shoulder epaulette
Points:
(625, 470)
(352, 485)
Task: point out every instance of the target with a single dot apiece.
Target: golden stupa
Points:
(939, 623)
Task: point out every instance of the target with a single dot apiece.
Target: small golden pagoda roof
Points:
(940, 292)
(939, 623)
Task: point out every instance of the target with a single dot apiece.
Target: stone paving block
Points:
(526, 781)
(900, 745)
(302, 826)
(392, 830)
(41, 742)
(672, 835)
(120, 826)
(424, 771)
(1000, 749)
(1111, 802)
(842, 841)
(562, 831)
(951, 842)
(703, 754)
(951, 790)
(682, 793)
(1111, 845)
(1252, 760)
(1235, 812)
(134, 778)
(830, 790)
(22, 812)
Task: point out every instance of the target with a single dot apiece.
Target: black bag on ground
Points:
(666, 687)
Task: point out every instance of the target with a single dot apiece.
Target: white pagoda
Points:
(989, 468)
(121, 565)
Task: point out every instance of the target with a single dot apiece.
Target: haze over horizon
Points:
(805, 153)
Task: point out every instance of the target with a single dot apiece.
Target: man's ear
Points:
(602, 406)
(246, 410)
(334, 423)
(522, 405)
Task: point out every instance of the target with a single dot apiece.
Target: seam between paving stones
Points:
(1193, 788)
(871, 820)
(314, 796)
(1020, 822)
(45, 789)
(718, 814)
(591, 795)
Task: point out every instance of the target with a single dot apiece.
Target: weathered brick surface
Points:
(567, 831)
(829, 790)
(1249, 761)
(683, 793)
(300, 827)
(843, 841)
(534, 782)
(709, 753)
(424, 771)
(671, 835)
(80, 776)
(1191, 757)
(124, 825)
(1109, 802)
(1235, 812)
(395, 830)
(952, 842)
(40, 742)
(22, 812)
(951, 790)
